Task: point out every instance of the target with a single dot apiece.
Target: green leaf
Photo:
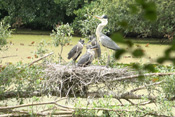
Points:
(138, 53)
(135, 66)
(150, 15)
(129, 43)
(118, 53)
(150, 67)
(133, 9)
(118, 38)
(161, 60)
(124, 24)
(140, 1)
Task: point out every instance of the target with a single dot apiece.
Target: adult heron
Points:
(88, 57)
(76, 51)
(105, 40)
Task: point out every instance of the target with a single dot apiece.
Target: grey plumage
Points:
(105, 40)
(87, 58)
(108, 43)
(94, 42)
(76, 50)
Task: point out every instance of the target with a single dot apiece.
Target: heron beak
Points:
(94, 48)
(89, 41)
(97, 17)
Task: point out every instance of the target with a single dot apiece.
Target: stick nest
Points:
(70, 80)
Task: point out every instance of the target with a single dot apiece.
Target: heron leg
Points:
(73, 63)
(108, 61)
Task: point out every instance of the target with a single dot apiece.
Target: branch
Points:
(26, 105)
(140, 75)
(142, 87)
(116, 110)
(8, 56)
(41, 58)
(122, 96)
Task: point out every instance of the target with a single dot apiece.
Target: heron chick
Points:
(94, 42)
(88, 57)
(76, 50)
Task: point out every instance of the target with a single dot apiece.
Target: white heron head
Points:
(103, 19)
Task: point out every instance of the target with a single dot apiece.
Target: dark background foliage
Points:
(124, 16)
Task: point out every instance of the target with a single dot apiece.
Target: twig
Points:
(41, 58)
(130, 101)
(26, 105)
(8, 56)
(140, 75)
(116, 110)
(142, 87)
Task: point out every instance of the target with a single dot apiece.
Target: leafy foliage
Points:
(128, 17)
(19, 77)
(4, 33)
(62, 35)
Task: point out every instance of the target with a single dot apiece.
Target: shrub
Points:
(4, 33)
(129, 17)
(61, 36)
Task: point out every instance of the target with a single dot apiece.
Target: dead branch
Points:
(69, 80)
(33, 104)
(41, 58)
(101, 94)
(140, 88)
(140, 75)
(143, 87)
(22, 94)
(8, 56)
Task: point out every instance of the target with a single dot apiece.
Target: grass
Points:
(20, 45)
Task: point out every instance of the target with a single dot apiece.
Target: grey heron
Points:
(105, 40)
(94, 42)
(88, 57)
(76, 50)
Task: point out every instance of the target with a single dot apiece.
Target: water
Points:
(23, 47)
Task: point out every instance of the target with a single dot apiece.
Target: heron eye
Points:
(105, 17)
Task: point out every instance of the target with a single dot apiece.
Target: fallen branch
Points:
(41, 58)
(73, 109)
(142, 87)
(140, 75)
(33, 104)
(8, 56)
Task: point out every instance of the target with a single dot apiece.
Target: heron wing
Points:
(77, 56)
(75, 52)
(98, 50)
(84, 60)
(108, 42)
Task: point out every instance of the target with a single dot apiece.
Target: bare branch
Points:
(8, 56)
(26, 105)
(140, 75)
(41, 58)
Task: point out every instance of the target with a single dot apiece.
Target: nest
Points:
(70, 80)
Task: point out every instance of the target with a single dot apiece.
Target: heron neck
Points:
(90, 51)
(100, 28)
(79, 43)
